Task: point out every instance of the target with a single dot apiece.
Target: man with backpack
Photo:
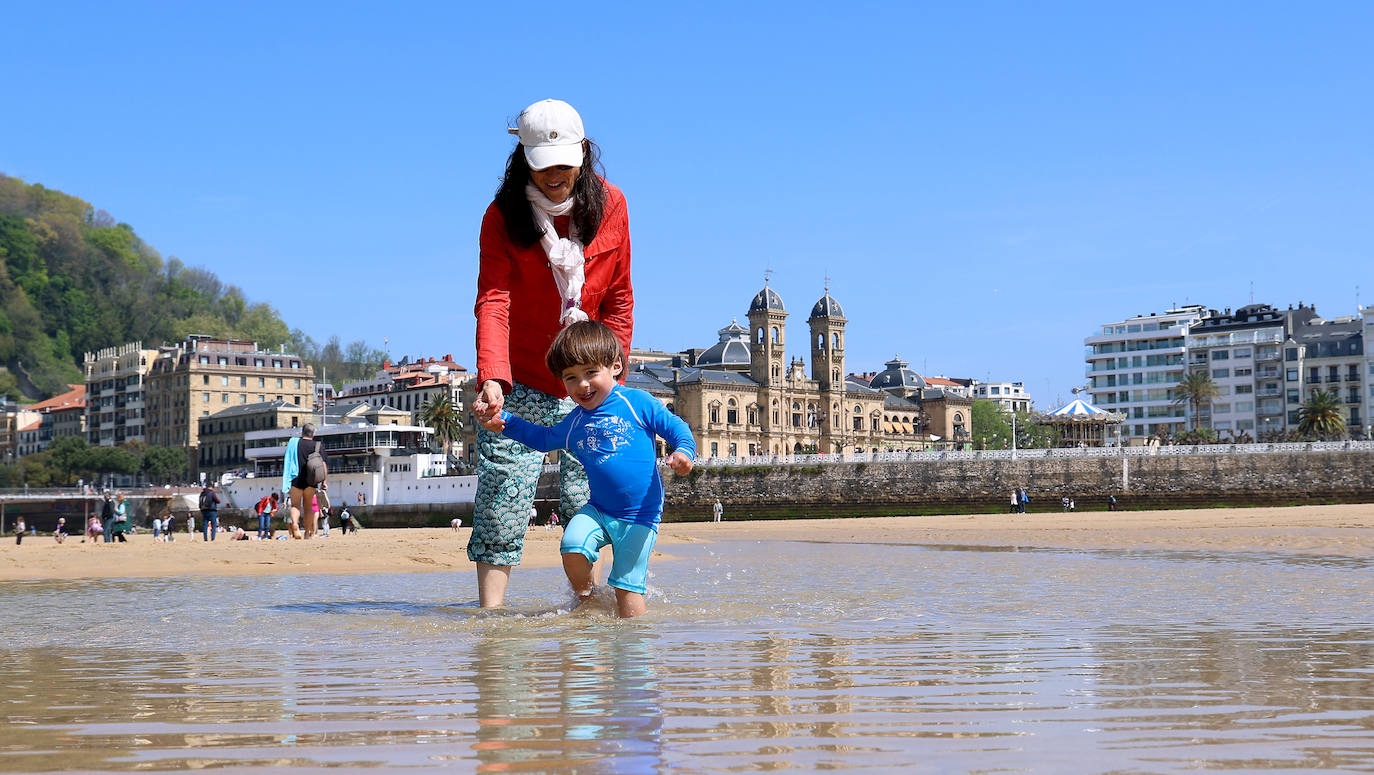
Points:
(304, 470)
(209, 512)
(107, 517)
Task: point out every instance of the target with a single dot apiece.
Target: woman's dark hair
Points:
(589, 197)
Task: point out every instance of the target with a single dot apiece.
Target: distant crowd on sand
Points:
(1020, 500)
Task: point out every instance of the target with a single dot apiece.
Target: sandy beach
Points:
(1343, 530)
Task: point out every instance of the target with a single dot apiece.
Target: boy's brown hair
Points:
(585, 341)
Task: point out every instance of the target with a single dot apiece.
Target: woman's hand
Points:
(489, 402)
(680, 463)
(495, 424)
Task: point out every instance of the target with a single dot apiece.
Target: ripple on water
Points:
(755, 655)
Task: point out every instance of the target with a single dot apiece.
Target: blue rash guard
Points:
(615, 443)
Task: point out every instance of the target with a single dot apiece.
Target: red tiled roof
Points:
(67, 400)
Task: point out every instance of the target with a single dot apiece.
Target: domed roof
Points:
(731, 351)
(897, 375)
(827, 307)
(767, 300)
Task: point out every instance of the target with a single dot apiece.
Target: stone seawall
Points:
(958, 486)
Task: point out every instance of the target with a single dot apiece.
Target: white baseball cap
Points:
(551, 134)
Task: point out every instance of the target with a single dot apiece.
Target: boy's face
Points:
(589, 383)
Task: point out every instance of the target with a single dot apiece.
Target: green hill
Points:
(73, 281)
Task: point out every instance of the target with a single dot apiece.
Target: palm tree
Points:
(1322, 416)
(440, 414)
(1195, 389)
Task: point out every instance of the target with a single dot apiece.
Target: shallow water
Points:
(755, 656)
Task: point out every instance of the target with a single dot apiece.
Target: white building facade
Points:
(1133, 366)
(1010, 396)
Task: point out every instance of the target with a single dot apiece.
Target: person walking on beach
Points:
(120, 524)
(1111, 502)
(61, 532)
(107, 517)
(265, 508)
(1015, 502)
(717, 510)
(1025, 500)
(19, 528)
(612, 433)
(304, 469)
(555, 249)
(94, 529)
(209, 513)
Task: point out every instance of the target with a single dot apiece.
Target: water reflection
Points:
(752, 659)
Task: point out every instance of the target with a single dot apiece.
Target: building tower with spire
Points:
(767, 336)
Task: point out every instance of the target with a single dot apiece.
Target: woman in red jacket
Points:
(555, 249)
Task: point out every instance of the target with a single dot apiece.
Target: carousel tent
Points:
(1081, 424)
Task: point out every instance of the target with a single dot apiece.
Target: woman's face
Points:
(556, 183)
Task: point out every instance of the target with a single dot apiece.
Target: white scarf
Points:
(565, 254)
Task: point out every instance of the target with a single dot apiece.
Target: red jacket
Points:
(518, 304)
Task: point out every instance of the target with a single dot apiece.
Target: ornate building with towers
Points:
(744, 396)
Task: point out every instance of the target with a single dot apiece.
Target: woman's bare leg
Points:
(491, 584)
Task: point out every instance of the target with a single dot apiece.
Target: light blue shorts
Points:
(589, 530)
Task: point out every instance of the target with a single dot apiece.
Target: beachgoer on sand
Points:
(611, 432)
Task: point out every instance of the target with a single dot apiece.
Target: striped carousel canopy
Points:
(1078, 409)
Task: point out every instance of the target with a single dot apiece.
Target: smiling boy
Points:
(611, 432)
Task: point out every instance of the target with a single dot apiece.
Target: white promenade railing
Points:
(934, 455)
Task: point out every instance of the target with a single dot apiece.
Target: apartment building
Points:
(1329, 357)
(1133, 366)
(407, 385)
(221, 445)
(1367, 321)
(1010, 396)
(204, 375)
(116, 394)
(1244, 352)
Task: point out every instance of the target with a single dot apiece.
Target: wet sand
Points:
(1343, 530)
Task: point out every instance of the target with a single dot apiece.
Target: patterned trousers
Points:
(507, 472)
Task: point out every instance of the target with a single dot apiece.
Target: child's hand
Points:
(680, 463)
(495, 423)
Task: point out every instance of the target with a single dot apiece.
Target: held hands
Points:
(488, 403)
(680, 463)
(495, 424)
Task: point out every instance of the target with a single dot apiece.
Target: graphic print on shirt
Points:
(602, 437)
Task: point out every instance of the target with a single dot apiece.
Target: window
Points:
(733, 450)
(243, 398)
(1221, 408)
(243, 382)
(715, 449)
(1293, 396)
(279, 382)
(753, 418)
(1221, 355)
(1242, 389)
(714, 413)
(775, 334)
(1220, 373)
(224, 398)
(205, 379)
(262, 382)
(1243, 372)
(298, 383)
(796, 415)
(224, 381)
(1292, 375)
(858, 419)
(732, 415)
(1290, 353)
(1242, 352)
(205, 397)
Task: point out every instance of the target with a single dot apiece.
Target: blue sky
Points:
(983, 183)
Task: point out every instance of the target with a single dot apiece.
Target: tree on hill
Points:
(74, 280)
